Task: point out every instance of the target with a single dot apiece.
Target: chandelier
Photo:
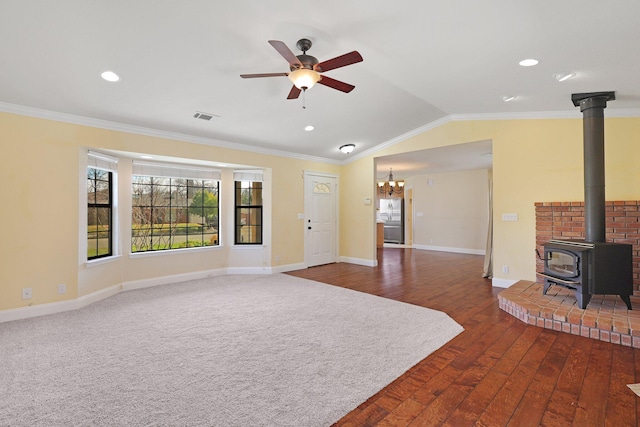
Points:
(391, 187)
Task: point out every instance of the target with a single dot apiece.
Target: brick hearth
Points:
(606, 318)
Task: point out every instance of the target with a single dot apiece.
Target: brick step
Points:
(606, 318)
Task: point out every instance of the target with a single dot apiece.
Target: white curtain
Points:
(248, 175)
(102, 161)
(488, 257)
(173, 170)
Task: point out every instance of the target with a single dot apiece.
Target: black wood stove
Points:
(591, 266)
(596, 268)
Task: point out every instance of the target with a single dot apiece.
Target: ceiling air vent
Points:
(204, 116)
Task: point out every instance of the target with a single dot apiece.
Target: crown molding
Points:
(140, 130)
(417, 131)
(537, 115)
(531, 115)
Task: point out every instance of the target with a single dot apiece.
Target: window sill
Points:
(173, 251)
(100, 261)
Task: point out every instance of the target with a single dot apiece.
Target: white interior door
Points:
(320, 219)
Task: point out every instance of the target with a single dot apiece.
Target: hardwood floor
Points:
(499, 371)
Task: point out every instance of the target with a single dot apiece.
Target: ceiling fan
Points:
(306, 70)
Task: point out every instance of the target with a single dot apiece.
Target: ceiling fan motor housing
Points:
(309, 62)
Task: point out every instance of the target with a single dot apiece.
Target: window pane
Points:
(91, 191)
(141, 195)
(179, 195)
(103, 219)
(249, 225)
(102, 191)
(140, 216)
(103, 247)
(140, 180)
(177, 213)
(256, 196)
(160, 181)
(92, 221)
(102, 174)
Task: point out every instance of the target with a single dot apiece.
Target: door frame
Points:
(307, 212)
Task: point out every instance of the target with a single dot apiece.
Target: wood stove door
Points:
(562, 263)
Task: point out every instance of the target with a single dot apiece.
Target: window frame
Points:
(95, 205)
(239, 207)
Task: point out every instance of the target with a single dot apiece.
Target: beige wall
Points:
(41, 181)
(451, 210)
(534, 160)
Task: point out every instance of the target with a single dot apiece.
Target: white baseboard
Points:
(174, 278)
(502, 283)
(85, 300)
(449, 249)
(38, 310)
(288, 267)
(360, 261)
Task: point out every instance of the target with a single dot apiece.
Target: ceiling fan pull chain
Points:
(304, 98)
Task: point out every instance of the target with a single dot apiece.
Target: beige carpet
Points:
(270, 350)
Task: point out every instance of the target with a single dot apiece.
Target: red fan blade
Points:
(286, 53)
(339, 61)
(295, 93)
(252, 76)
(336, 84)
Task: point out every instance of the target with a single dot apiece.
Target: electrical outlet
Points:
(509, 216)
(26, 293)
(62, 289)
(505, 268)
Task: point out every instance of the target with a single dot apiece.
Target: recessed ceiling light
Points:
(508, 98)
(565, 76)
(347, 148)
(110, 76)
(528, 62)
(309, 128)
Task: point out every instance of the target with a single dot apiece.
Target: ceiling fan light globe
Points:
(304, 78)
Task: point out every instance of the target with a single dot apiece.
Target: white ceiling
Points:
(423, 61)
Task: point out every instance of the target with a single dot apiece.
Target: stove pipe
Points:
(592, 106)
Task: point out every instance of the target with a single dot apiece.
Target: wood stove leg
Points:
(547, 285)
(583, 299)
(626, 300)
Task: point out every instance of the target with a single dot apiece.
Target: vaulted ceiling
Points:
(423, 61)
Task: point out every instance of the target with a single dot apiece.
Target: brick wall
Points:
(565, 220)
